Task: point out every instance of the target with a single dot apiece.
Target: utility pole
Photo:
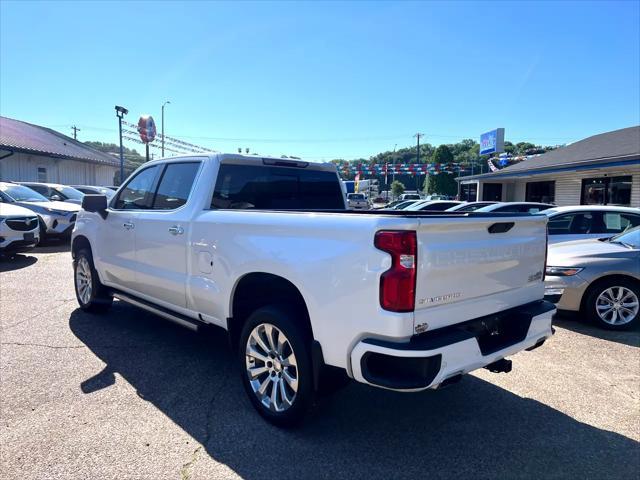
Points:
(418, 136)
(165, 103)
(75, 132)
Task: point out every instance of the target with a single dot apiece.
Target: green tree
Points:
(443, 183)
(397, 188)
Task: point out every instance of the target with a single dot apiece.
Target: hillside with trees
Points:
(465, 152)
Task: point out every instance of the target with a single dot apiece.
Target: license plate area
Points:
(496, 332)
(28, 237)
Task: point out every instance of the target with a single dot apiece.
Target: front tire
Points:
(275, 364)
(92, 296)
(614, 304)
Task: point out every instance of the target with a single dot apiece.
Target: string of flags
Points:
(184, 147)
(413, 169)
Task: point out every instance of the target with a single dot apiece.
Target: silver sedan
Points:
(600, 278)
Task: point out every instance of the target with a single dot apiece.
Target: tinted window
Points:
(573, 224)
(469, 192)
(540, 192)
(509, 209)
(276, 188)
(439, 207)
(138, 193)
(175, 185)
(473, 207)
(606, 190)
(68, 192)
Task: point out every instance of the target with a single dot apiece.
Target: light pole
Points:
(121, 112)
(165, 103)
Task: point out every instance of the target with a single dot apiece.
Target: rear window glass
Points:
(276, 188)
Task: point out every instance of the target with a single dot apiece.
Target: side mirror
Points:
(95, 204)
(55, 198)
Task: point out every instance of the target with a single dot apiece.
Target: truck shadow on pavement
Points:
(473, 429)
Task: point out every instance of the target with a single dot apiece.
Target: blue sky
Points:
(324, 80)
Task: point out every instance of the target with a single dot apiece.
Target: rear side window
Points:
(276, 188)
(616, 222)
(138, 192)
(572, 224)
(175, 185)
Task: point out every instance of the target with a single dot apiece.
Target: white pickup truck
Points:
(266, 249)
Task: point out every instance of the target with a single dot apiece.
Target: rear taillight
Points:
(398, 284)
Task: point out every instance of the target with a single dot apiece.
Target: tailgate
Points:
(477, 265)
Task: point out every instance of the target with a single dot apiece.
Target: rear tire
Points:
(614, 304)
(92, 296)
(275, 365)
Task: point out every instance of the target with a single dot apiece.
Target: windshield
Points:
(630, 237)
(20, 193)
(69, 192)
(356, 196)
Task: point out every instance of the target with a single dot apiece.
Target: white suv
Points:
(19, 229)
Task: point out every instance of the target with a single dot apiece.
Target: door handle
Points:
(128, 225)
(176, 230)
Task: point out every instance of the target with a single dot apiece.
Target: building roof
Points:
(617, 146)
(18, 136)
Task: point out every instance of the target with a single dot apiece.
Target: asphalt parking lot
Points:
(129, 395)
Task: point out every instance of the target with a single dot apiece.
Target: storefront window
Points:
(492, 192)
(620, 190)
(469, 192)
(541, 192)
(606, 191)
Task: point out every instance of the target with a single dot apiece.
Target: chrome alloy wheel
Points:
(83, 280)
(617, 305)
(271, 367)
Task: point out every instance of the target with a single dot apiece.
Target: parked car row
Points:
(31, 212)
(565, 223)
(593, 264)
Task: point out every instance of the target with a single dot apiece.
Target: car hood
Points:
(62, 206)
(581, 251)
(9, 210)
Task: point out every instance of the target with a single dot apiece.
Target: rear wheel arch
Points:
(259, 289)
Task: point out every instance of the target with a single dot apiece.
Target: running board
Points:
(158, 310)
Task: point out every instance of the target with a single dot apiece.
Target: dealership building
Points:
(600, 170)
(30, 153)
